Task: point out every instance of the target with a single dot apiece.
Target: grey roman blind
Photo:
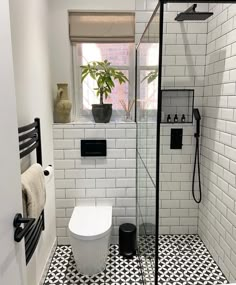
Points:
(101, 27)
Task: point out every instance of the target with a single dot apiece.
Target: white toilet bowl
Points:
(90, 231)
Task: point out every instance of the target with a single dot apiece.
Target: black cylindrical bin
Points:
(127, 240)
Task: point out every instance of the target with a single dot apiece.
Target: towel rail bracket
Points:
(21, 232)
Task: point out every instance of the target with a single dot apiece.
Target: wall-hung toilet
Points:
(90, 231)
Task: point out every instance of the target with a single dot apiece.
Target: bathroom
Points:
(192, 242)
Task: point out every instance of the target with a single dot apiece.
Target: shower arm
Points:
(191, 9)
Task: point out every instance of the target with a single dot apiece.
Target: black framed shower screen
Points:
(160, 9)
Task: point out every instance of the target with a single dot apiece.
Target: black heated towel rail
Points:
(17, 223)
(29, 228)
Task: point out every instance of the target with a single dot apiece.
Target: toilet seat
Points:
(90, 222)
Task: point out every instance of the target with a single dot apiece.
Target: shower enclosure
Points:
(186, 71)
(146, 118)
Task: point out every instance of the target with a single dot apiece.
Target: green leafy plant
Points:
(152, 75)
(104, 75)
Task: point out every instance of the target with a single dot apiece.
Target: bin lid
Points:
(127, 228)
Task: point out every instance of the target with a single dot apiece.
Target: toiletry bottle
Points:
(176, 119)
(168, 118)
(183, 118)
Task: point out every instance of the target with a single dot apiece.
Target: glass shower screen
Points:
(147, 95)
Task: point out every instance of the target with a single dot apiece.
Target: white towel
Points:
(33, 191)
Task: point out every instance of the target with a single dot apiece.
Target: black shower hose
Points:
(197, 162)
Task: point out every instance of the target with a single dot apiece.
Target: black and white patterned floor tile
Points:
(183, 259)
(118, 270)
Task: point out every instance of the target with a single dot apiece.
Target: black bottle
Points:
(176, 119)
(183, 118)
(168, 118)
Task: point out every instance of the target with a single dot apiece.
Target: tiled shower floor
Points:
(183, 260)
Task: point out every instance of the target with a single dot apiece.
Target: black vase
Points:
(102, 112)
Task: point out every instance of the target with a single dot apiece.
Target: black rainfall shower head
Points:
(191, 15)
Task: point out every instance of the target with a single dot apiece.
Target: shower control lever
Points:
(176, 141)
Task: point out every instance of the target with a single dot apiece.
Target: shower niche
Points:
(177, 106)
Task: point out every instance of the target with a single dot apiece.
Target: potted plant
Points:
(104, 75)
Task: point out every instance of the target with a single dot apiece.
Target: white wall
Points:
(60, 48)
(217, 216)
(12, 266)
(143, 12)
(95, 181)
(61, 59)
(29, 24)
(179, 72)
(61, 62)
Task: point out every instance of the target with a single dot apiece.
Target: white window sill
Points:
(90, 123)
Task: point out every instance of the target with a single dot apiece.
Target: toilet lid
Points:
(90, 222)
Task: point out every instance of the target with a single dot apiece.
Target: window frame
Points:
(78, 110)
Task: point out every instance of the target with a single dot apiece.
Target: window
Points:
(148, 63)
(96, 37)
(121, 57)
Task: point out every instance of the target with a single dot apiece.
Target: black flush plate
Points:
(93, 147)
(176, 141)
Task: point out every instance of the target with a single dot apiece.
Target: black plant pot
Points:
(102, 112)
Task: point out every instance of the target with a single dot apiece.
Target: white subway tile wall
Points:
(196, 55)
(178, 211)
(184, 49)
(184, 62)
(217, 212)
(202, 56)
(143, 12)
(95, 181)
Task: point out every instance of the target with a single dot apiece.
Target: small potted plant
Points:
(104, 75)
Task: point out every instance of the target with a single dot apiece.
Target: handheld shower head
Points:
(196, 114)
(197, 117)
